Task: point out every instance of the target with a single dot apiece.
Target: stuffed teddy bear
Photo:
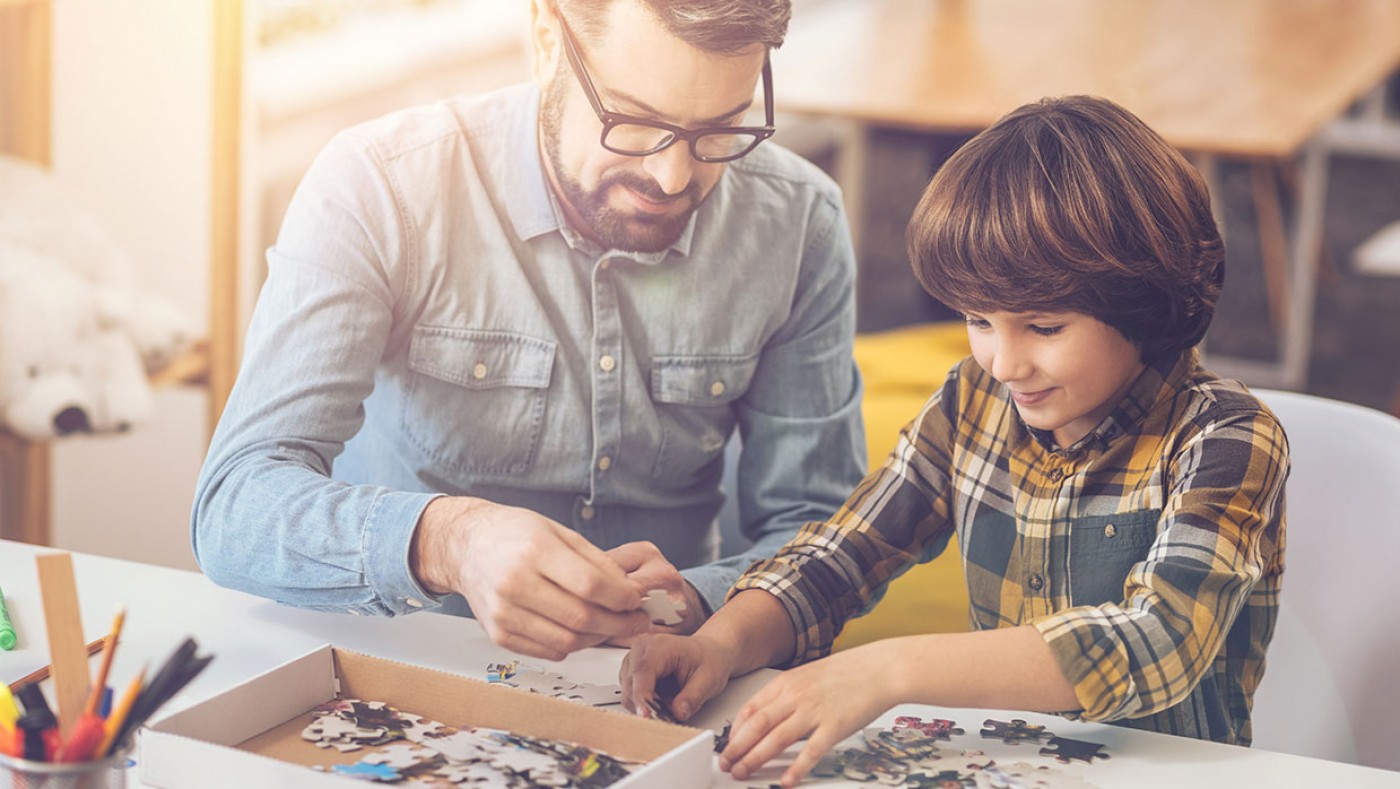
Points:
(77, 337)
(61, 369)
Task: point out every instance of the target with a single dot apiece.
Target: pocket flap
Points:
(701, 380)
(480, 359)
(1125, 531)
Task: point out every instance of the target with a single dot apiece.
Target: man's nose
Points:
(672, 168)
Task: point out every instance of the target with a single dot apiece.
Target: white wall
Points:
(132, 137)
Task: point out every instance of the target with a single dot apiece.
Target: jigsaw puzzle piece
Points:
(1065, 749)
(661, 608)
(1014, 731)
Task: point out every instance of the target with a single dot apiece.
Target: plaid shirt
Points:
(1149, 554)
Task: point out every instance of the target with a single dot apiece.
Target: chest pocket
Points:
(476, 399)
(1102, 549)
(693, 396)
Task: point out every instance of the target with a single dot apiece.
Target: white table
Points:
(249, 635)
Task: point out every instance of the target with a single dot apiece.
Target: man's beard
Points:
(613, 229)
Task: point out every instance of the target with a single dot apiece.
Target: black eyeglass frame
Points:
(611, 119)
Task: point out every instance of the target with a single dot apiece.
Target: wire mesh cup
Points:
(106, 773)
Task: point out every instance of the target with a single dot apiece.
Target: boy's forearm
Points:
(754, 629)
(1007, 668)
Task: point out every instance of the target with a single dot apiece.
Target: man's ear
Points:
(544, 42)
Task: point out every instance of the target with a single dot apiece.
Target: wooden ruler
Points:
(65, 624)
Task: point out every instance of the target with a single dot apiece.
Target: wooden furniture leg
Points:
(1273, 241)
(24, 490)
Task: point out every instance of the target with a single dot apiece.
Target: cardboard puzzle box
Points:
(251, 734)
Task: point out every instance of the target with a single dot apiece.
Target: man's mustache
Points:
(651, 190)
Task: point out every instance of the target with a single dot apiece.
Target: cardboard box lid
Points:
(251, 734)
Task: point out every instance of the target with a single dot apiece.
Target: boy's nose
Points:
(1010, 364)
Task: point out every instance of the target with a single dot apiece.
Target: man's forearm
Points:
(445, 521)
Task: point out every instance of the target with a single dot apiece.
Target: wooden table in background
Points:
(1259, 80)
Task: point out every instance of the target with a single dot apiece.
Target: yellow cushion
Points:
(901, 369)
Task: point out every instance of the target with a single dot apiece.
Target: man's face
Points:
(636, 203)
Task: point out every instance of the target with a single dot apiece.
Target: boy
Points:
(1119, 508)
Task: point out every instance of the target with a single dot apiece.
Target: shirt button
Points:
(717, 388)
(1036, 581)
(413, 602)
(586, 512)
(1056, 474)
(607, 363)
(1110, 531)
(479, 371)
(604, 463)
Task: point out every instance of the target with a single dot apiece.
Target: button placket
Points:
(608, 349)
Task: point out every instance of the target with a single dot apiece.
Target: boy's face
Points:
(1066, 371)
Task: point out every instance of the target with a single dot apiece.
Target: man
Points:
(501, 336)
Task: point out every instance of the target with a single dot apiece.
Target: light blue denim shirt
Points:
(430, 325)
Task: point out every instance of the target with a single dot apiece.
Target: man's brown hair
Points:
(1073, 205)
(720, 26)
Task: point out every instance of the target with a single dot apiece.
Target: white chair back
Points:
(1331, 688)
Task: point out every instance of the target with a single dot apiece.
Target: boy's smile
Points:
(1065, 371)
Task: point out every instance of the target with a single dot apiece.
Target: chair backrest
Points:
(1331, 688)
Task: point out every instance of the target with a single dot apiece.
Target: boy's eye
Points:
(1046, 331)
(976, 323)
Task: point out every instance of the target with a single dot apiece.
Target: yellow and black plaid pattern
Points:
(1149, 554)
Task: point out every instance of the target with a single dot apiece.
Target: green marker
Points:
(7, 630)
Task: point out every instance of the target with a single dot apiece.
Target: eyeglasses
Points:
(632, 136)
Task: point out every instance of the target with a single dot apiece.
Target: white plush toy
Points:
(77, 337)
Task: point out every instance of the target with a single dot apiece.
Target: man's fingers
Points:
(586, 572)
(633, 555)
(592, 624)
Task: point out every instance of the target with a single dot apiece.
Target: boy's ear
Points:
(544, 42)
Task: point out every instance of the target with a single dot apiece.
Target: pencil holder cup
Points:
(108, 773)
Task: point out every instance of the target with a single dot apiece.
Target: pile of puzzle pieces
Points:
(410, 749)
(919, 753)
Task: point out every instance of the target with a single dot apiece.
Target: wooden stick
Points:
(71, 678)
(41, 674)
(110, 647)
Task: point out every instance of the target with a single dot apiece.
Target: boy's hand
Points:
(700, 666)
(824, 701)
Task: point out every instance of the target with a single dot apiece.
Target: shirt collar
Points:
(535, 210)
(1157, 381)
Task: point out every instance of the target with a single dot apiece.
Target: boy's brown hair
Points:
(1073, 205)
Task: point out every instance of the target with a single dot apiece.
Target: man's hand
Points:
(537, 587)
(644, 564)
